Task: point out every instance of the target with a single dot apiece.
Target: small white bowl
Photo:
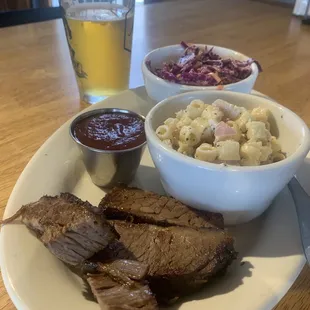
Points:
(239, 193)
(159, 89)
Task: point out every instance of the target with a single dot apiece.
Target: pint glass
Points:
(99, 35)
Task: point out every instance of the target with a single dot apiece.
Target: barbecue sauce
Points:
(111, 131)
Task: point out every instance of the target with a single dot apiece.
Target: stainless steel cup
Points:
(109, 168)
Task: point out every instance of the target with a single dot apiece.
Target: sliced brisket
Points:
(126, 203)
(180, 259)
(177, 249)
(121, 285)
(73, 230)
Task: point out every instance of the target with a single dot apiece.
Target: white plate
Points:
(269, 247)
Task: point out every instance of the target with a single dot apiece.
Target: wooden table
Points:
(38, 92)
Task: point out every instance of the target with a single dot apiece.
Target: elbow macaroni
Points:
(195, 108)
(171, 122)
(183, 121)
(260, 114)
(186, 149)
(206, 152)
(200, 124)
(164, 132)
(168, 142)
(198, 131)
(212, 112)
(243, 119)
(189, 135)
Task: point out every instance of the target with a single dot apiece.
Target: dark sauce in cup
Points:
(112, 131)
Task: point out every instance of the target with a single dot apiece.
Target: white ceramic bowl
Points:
(159, 89)
(239, 193)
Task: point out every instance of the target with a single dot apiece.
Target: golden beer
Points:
(100, 37)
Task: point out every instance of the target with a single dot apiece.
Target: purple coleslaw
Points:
(202, 67)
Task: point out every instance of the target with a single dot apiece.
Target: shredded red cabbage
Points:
(202, 67)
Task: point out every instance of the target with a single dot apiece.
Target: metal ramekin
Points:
(109, 168)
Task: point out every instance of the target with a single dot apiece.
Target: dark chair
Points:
(31, 15)
(306, 19)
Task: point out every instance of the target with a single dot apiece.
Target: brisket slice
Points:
(180, 259)
(120, 269)
(73, 230)
(126, 203)
(120, 285)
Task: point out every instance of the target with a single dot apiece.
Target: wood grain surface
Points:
(38, 92)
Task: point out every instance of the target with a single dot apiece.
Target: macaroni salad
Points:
(222, 133)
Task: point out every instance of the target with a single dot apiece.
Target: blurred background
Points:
(6, 5)
(16, 12)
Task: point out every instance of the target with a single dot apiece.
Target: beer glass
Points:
(99, 35)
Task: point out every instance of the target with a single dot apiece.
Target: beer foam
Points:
(97, 12)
